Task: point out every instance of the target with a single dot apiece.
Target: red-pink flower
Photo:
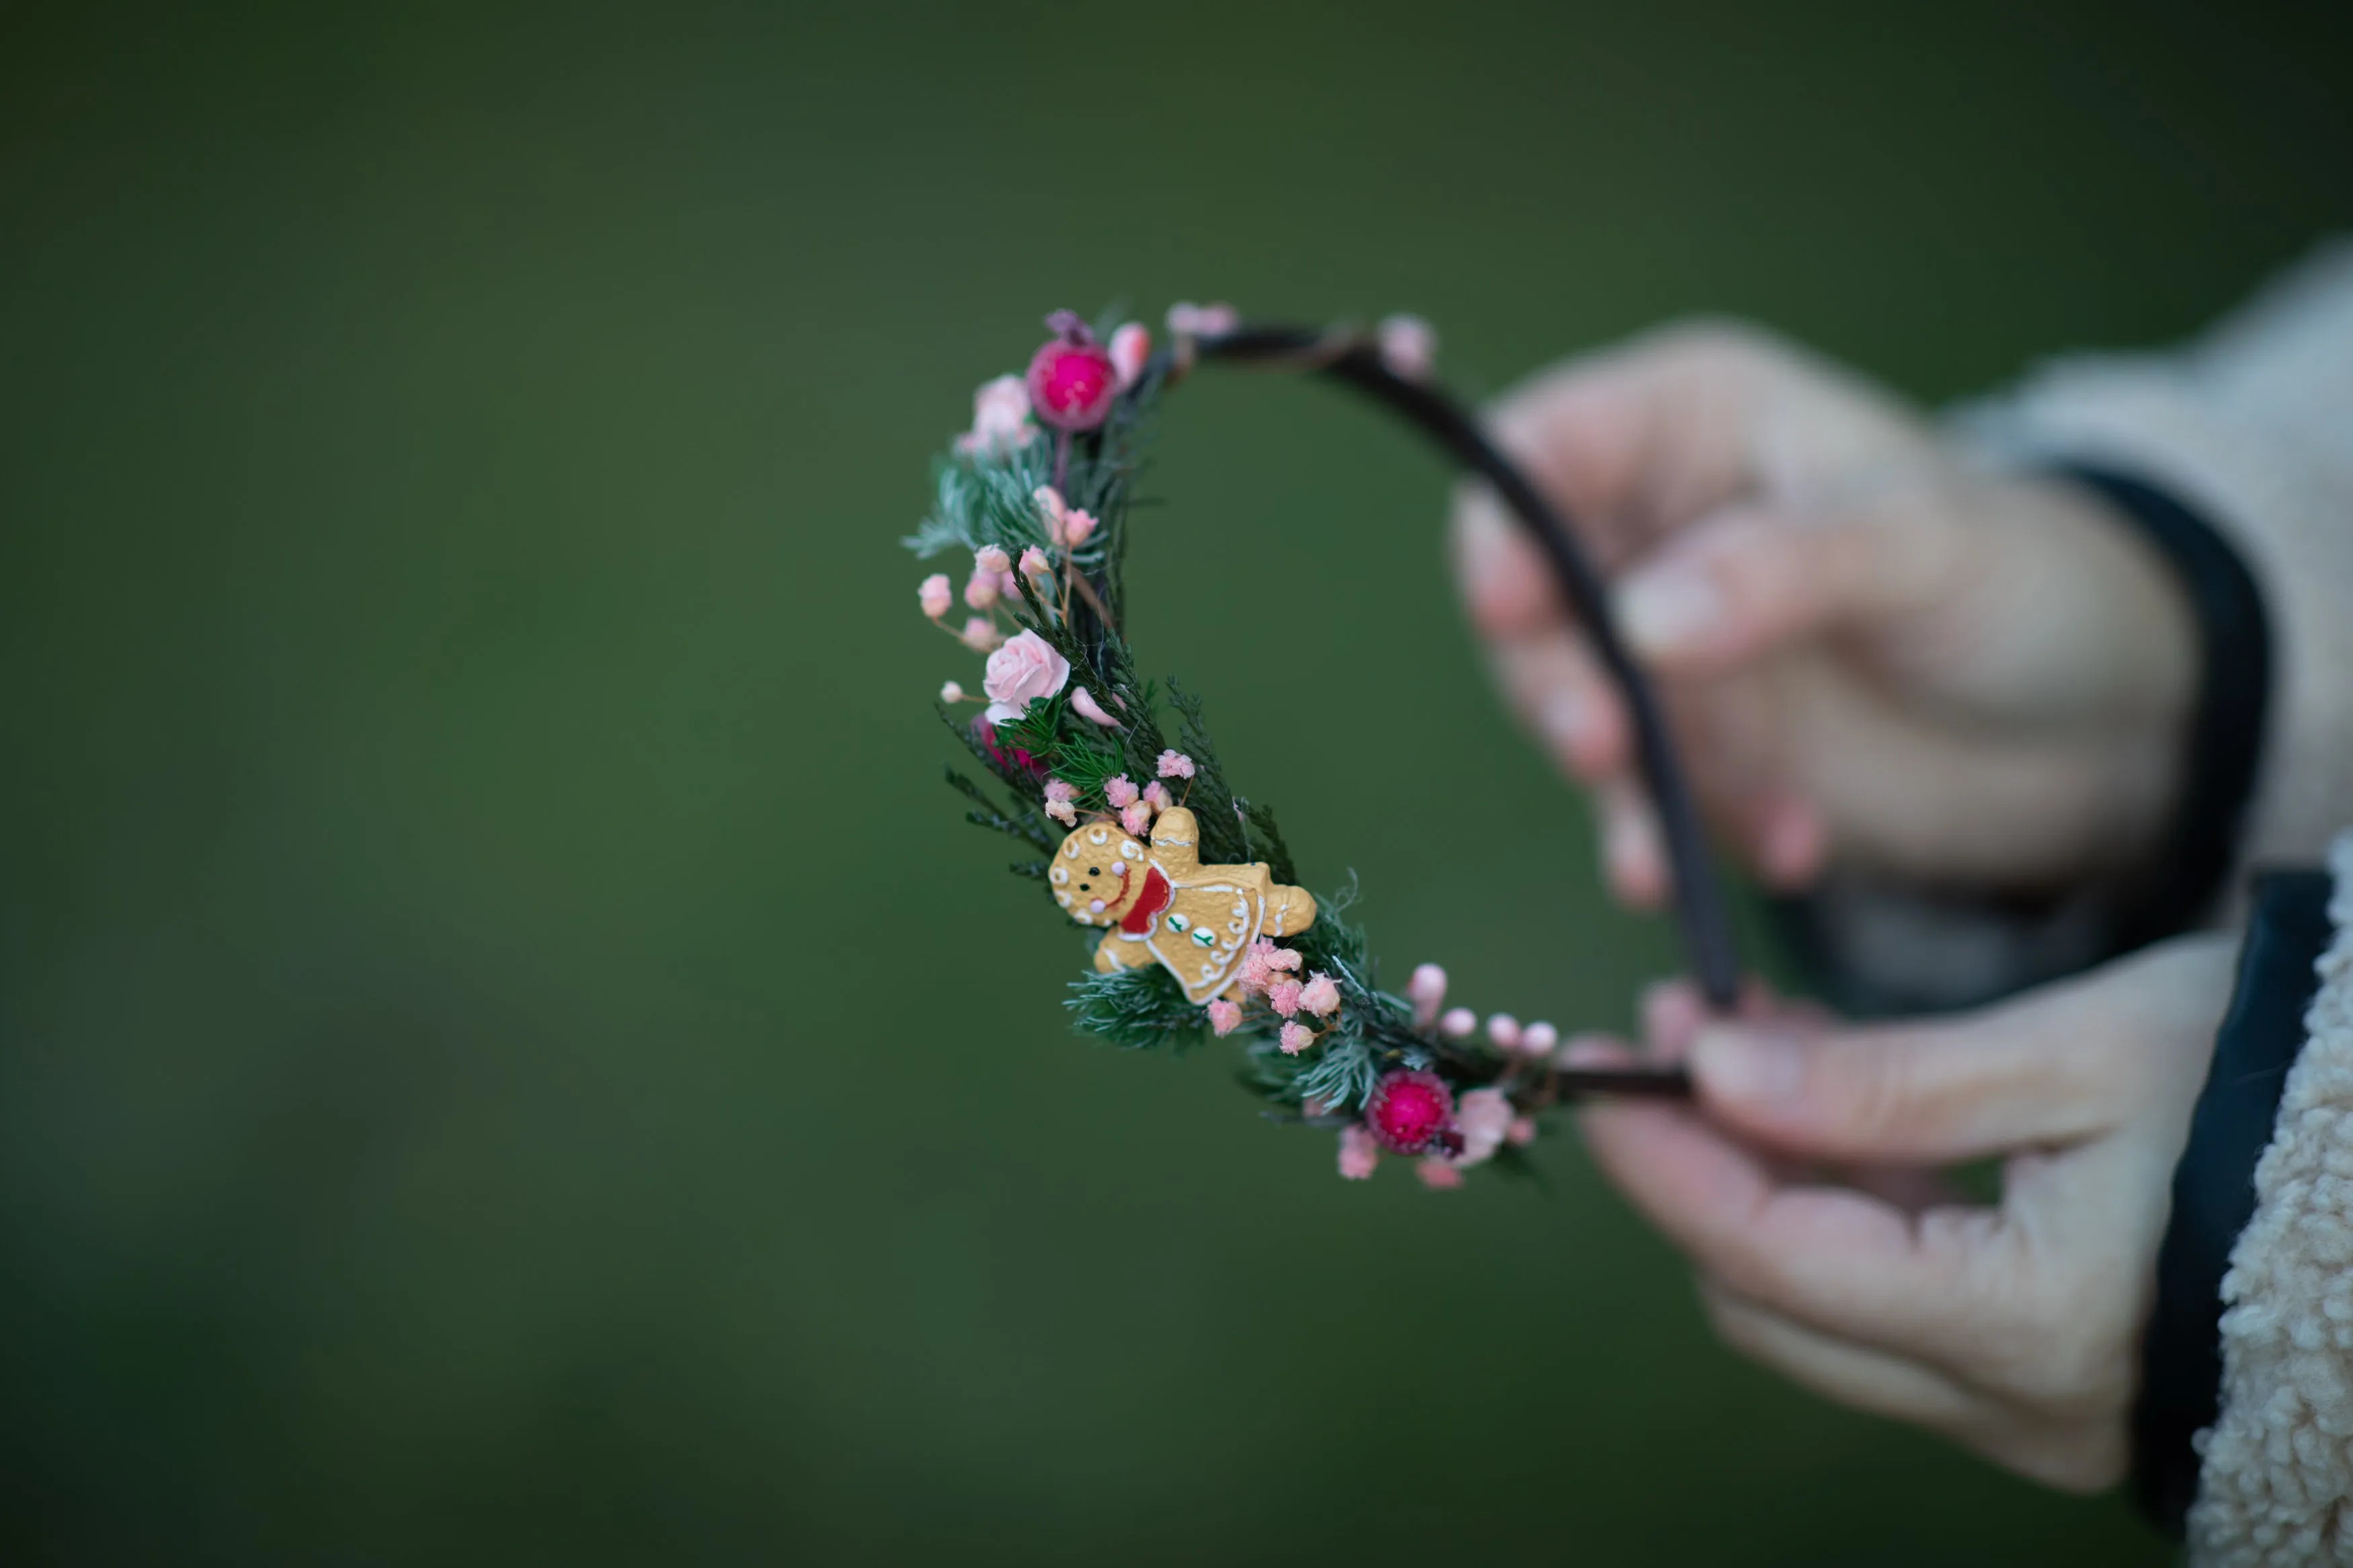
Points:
(1410, 1110)
(1071, 379)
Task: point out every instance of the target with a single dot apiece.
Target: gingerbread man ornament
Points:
(1165, 907)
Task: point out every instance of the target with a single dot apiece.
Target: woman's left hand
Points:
(1805, 1189)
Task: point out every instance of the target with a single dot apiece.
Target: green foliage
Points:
(1136, 1009)
(1223, 839)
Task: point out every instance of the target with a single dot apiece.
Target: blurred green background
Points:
(509, 1050)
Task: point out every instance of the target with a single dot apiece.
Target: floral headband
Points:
(1137, 833)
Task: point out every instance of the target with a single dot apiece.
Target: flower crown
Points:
(1137, 833)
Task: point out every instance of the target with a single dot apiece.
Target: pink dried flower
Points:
(1091, 711)
(1034, 563)
(1438, 1175)
(936, 595)
(1119, 792)
(1131, 345)
(1176, 765)
(1057, 790)
(1077, 528)
(1000, 418)
(980, 590)
(1295, 1038)
(1283, 995)
(1022, 672)
(1458, 1023)
(1410, 1110)
(1072, 380)
(951, 692)
(1521, 1132)
(1189, 320)
(1063, 812)
(1282, 957)
(1408, 347)
(980, 635)
(1538, 1039)
(1504, 1030)
(1483, 1118)
(988, 558)
(1426, 992)
(1225, 1016)
(1254, 975)
(1157, 793)
(1359, 1153)
(1136, 819)
(1320, 997)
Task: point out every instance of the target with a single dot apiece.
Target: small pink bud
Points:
(1157, 793)
(1034, 563)
(1459, 1022)
(1091, 711)
(1538, 1039)
(951, 692)
(1408, 347)
(935, 594)
(1320, 997)
(980, 633)
(1359, 1153)
(980, 590)
(1136, 819)
(988, 558)
(1119, 792)
(1521, 1132)
(1438, 1175)
(1176, 765)
(1225, 1016)
(1282, 958)
(1078, 527)
(1295, 1038)
(1426, 992)
(1283, 998)
(1504, 1030)
(1131, 345)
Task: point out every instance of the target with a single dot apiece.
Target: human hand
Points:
(1871, 650)
(2012, 1329)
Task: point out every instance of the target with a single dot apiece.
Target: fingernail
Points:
(1744, 1065)
(1669, 611)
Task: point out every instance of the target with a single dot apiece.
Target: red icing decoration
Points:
(1157, 895)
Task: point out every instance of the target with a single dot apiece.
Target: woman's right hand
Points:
(1872, 652)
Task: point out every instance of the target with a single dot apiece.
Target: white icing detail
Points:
(1132, 850)
(1098, 836)
(1177, 923)
(1241, 913)
(1060, 874)
(1071, 849)
(1205, 939)
(1237, 927)
(1062, 898)
(1209, 972)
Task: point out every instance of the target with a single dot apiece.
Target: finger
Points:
(1838, 1262)
(2031, 1073)
(1673, 1012)
(1756, 577)
(1867, 1379)
(1633, 853)
(1560, 693)
(1505, 580)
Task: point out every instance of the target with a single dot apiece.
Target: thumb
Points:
(1758, 576)
(1910, 1094)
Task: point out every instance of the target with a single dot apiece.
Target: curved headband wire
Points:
(1702, 914)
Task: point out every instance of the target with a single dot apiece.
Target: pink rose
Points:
(1022, 672)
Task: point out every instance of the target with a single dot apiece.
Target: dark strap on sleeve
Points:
(2225, 736)
(2214, 1184)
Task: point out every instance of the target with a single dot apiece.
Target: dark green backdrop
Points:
(509, 1051)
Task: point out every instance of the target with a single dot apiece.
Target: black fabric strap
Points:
(2225, 737)
(2214, 1184)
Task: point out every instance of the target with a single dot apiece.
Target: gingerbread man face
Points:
(1165, 907)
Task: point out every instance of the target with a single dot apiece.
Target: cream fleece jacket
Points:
(2253, 425)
